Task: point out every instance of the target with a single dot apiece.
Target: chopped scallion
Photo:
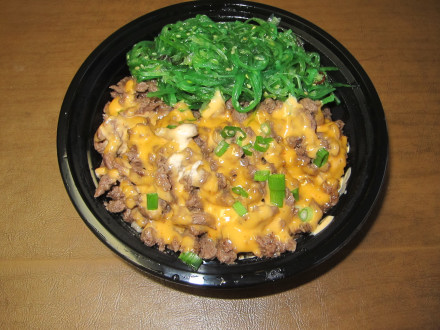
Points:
(277, 182)
(261, 143)
(152, 201)
(221, 148)
(191, 259)
(305, 214)
(239, 208)
(240, 191)
(171, 126)
(262, 175)
(321, 157)
(295, 193)
(265, 128)
(247, 149)
(230, 131)
(277, 197)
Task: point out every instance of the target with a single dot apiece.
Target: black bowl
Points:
(360, 109)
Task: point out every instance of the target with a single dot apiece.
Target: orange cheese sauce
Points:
(171, 136)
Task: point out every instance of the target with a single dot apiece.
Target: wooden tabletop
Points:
(54, 272)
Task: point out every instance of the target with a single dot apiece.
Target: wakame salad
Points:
(246, 61)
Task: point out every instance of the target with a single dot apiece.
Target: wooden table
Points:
(54, 273)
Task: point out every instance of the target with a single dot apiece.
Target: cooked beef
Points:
(311, 109)
(146, 86)
(332, 190)
(239, 116)
(148, 236)
(175, 245)
(118, 90)
(297, 144)
(270, 246)
(269, 105)
(128, 215)
(194, 203)
(225, 252)
(206, 151)
(116, 193)
(290, 201)
(327, 113)
(208, 248)
(147, 104)
(222, 182)
(340, 124)
(304, 228)
(163, 204)
(100, 141)
(203, 218)
(163, 174)
(109, 160)
(135, 161)
(115, 206)
(249, 131)
(105, 183)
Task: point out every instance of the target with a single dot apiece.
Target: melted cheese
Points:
(155, 136)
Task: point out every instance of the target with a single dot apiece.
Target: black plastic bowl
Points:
(360, 109)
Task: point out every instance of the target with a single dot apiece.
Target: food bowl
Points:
(360, 109)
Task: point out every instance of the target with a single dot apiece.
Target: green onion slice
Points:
(321, 157)
(171, 126)
(191, 259)
(247, 149)
(152, 201)
(239, 208)
(262, 175)
(265, 128)
(305, 214)
(261, 143)
(221, 148)
(240, 191)
(230, 131)
(295, 193)
(277, 197)
(277, 182)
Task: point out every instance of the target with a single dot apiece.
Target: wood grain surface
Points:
(54, 273)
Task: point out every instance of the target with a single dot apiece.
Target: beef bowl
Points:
(358, 106)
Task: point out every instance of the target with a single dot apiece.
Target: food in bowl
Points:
(239, 174)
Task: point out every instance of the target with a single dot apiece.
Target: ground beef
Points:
(222, 182)
(194, 203)
(290, 201)
(301, 151)
(270, 246)
(148, 236)
(146, 86)
(163, 204)
(332, 190)
(147, 104)
(128, 215)
(105, 183)
(269, 105)
(115, 206)
(163, 174)
(135, 161)
(202, 218)
(118, 90)
(311, 108)
(327, 113)
(225, 252)
(208, 248)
